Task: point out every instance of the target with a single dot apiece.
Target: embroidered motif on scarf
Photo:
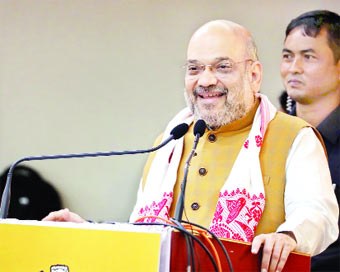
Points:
(246, 144)
(258, 140)
(237, 214)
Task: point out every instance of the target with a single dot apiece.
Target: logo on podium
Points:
(59, 268)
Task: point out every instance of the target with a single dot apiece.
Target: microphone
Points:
(199, 130)
(176, 133)
(179, 131)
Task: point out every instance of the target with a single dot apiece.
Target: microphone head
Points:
(179, 131)
(200, 127)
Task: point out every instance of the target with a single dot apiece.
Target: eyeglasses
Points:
(221, 68)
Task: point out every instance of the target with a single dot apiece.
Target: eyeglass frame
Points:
(212, 66)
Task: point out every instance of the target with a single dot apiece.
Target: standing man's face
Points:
(216, 81)
(307, 66)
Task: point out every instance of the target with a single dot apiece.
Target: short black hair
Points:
(312, 23)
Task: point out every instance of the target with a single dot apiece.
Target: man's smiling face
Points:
(216, 82)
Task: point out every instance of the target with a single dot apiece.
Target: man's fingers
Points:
(276, 254)
(268, 242)
(276, 249)
(60, 216)
(284, 256)
(267, 252)
(256, 244)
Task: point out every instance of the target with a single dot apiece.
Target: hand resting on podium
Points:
(64, 215)
(276, 249)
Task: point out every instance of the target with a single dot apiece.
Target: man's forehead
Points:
(220, 25)
(298, 38)
(217, 39)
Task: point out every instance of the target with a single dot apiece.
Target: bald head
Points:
(235, 39)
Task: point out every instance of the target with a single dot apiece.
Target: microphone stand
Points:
(180, 200)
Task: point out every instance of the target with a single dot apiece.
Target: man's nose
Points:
(207, 78)
(296, 66)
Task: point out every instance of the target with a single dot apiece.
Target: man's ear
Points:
(255, 76)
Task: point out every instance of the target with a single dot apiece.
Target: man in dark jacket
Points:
(310, 71)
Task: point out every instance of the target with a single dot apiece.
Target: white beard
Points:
(235, 107)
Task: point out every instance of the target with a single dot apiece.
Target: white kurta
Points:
(310, 204)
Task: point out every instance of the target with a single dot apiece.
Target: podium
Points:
(34, 246)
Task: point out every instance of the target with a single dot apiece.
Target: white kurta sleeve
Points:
(311, 208)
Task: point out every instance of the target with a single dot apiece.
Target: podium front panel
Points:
(40, 248)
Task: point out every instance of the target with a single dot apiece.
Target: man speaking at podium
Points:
(258, 175)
